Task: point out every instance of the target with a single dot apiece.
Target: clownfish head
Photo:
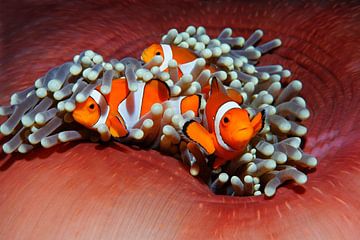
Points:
(237, 129)
(152, 51)
(87, 113)
(231, 124)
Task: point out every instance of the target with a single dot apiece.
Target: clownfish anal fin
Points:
(117, 127)
(258, 122)
(196, 152)
(235, 95)
(197, 133)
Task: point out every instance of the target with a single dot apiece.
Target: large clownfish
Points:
(184, 57)
(228, 127)
(121, 109)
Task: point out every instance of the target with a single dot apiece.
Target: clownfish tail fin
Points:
(117, 127)
(195, 132)
(192, 102)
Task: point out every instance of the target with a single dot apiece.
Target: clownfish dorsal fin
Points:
(117, 127)
(235, 95)
(217, 87)
(197, 133)
(258, 122)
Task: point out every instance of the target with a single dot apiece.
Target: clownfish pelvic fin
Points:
(117, 127)
(200, 135)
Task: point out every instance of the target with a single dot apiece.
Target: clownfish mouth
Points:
(242, 129)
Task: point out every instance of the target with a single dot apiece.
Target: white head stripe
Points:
(219, 115)
(167, 56)
(104, 107)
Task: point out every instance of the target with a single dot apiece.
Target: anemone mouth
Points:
(61, 187)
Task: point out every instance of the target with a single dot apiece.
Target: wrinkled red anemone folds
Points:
(90, 191)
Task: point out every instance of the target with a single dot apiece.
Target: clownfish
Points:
(228, 128)
(184, 57)
(121, 109)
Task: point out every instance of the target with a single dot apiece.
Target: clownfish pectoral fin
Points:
(219, 162)
(258, 122)
(197, 133)
(117, 127)
(235, 95)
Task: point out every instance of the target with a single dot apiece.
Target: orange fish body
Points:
(184, 57)
(228, 127)
(121, 109)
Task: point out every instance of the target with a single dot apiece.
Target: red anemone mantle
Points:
(87, 191)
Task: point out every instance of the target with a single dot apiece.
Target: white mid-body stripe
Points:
(185, 68)
(130, 108)
(168, 55)
(219, 115)
(104, 107)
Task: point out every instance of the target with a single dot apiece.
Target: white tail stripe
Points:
(219, 115)
(168, 55)
(130, 108)
(104, 107)
(186, 68)
(174, 104)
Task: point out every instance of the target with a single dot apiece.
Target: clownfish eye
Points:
(157, 53)
(92, 106)
(226, 120)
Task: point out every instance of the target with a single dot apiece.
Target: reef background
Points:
(90, 191)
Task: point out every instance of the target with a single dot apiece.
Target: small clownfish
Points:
(229, 128)
(184, 57)
(121, 109)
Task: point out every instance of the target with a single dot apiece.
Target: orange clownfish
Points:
(121, 109)
(184, 57)
(228, 127)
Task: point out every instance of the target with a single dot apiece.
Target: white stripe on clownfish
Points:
(185, 68)
(130, 107)
(167, 56)
(174, 104)
(103, 105)
(224, 108)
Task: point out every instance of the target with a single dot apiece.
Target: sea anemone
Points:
(41, 114)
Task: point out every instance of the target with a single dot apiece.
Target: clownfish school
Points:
(204, 100)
